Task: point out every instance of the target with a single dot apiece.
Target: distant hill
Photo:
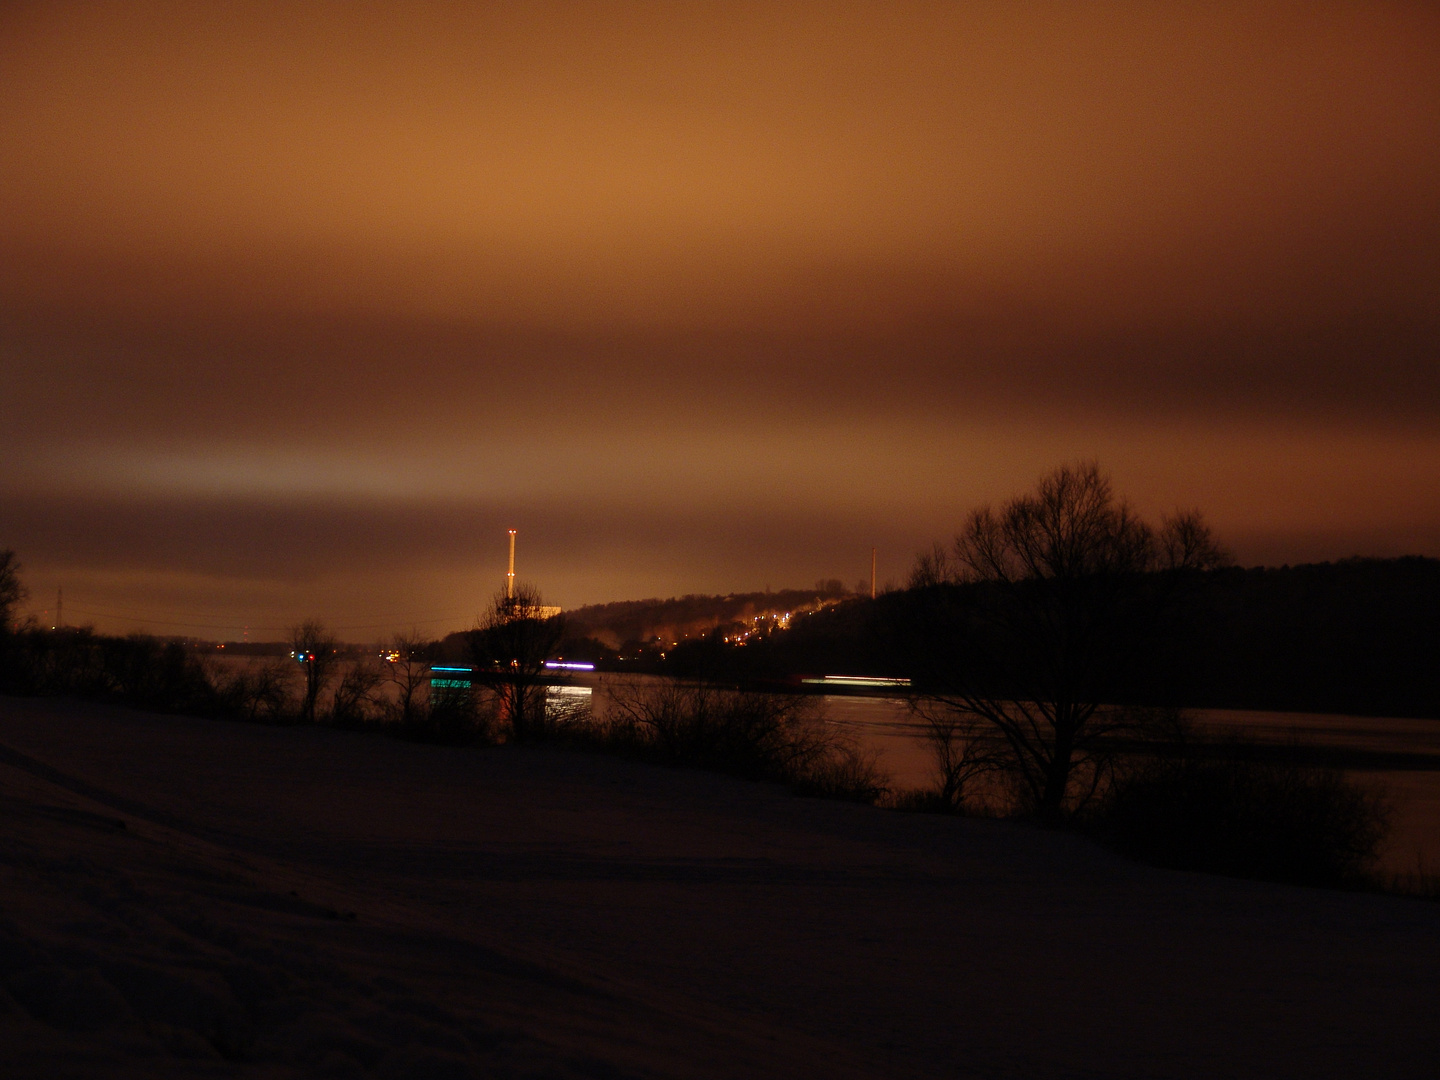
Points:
(654, 625)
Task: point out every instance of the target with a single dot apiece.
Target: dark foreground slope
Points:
(176, 899)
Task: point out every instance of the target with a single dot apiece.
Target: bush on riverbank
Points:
(1170, 797)
(149, 673)
(135, 670)
(1223, 812)
(758, 736)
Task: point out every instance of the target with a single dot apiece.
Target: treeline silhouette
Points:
(341, 689)
(1356, 636)
(136, 670)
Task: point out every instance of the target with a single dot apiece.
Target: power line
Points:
(393, 622)
(150, 614)
(159, 622)
(231, 624)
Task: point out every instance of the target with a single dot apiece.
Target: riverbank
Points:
(189, 897)
(1398, 757)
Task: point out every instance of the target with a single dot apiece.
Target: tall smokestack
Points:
(510, 577)
(872, 573)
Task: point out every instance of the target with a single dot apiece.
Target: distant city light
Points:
(569, 666)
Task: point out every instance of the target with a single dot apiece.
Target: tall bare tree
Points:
(408, 670)
(1037, 614)
(317, 649)
(509, 649)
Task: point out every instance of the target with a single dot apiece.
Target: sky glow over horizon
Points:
(305, 306)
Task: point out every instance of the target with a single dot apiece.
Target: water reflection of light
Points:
(858, 680)
(567, 704)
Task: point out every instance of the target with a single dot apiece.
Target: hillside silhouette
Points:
(1355, 636)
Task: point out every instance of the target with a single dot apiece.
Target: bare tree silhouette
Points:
(354, 702)
(964, 749)
(1037, 613)
(408, 670)
(509, 649)
(315, 648)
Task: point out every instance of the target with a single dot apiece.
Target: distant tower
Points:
(59, 608)
(510, 577)
(872, 573)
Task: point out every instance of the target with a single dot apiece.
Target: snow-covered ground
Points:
(184, 897)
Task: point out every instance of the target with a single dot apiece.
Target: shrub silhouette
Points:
(259, 694)
(754, 735)
(458, 717)
(1225, 813)
(354, 704)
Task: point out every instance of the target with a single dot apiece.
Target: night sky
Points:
(303, 306)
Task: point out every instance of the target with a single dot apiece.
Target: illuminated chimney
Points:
(872, 573)
(510, 577)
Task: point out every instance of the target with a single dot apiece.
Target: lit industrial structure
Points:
(510, 576)
(544, 611)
